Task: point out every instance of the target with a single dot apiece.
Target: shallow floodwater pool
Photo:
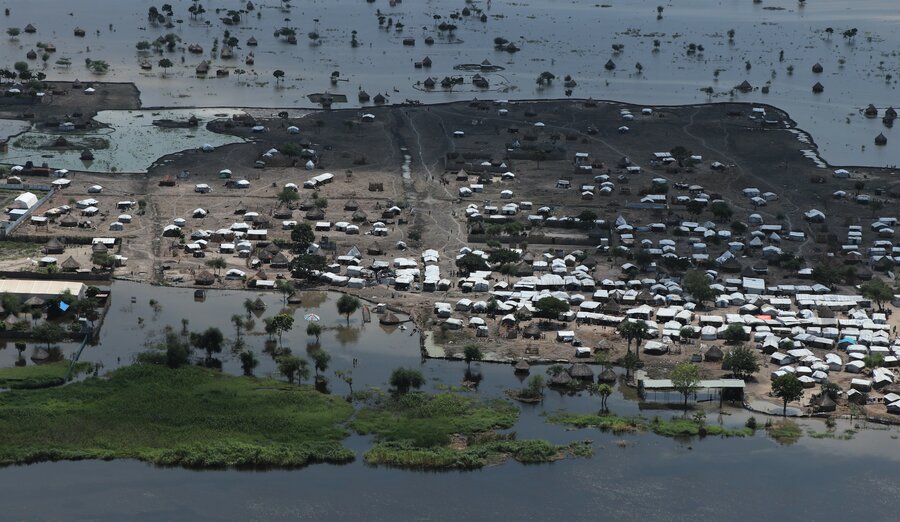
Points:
(134, 142)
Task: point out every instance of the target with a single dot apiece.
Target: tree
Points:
(721, 210)
(165, 63)
(307, 266)
(787, 388)
(876, 290)
(143, 45)
(472, 353)
(735, 333)
(686, 380)
(249, 307)
(320, 358)
(282, 323)
(288, 196)
(292, 366)
(279, 75)
(217, 263)
(502, 256)
(604, 391)
(248, 362)
(302, 236)
(535, 387)
(697, 284)
(347, 377)
(347, 305)
(471, 262)
(741, 361)
(178, 353)
(49, 333)
(314, 329)
(630, 362)
(873, 360)
(210, 341)
(633, 331)
(643, 258)
(238, 323)
(826, 274)
(695, 207)
(286, 288)
(551, 307)
(13, 32)
(404, 379)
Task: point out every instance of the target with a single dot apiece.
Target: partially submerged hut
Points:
(389, 319)
(522, 367)
(581, 371)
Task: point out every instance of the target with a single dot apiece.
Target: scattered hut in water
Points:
(389, 319)
(522, 367)
(561, 380)
(818, 88)
(871, 111)
(817, 68)
(259, 305)
(30, 29)
(203, 68)
(607, 376)
(252, 42)
(363, 96)
(581, 371)
(744, 86)
(79, 32)
(379, 99)
(880, 139)
(610, 65)
(31, 55)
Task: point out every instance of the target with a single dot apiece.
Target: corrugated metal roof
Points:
(666, 384)
(34, 287)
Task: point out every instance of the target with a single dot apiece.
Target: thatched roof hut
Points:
(744, 86)
(379, 99)
(871, 111)
(824, 403)
(261, 275)
(714, 354)
(817, 68)
(610, 65)
(204, 277)
(561, 379)
(259, 304)
(532, 332)
(99, 248)
(34, 302)
(283, 212)
(70, 265)
(54, 246)
(880, 140)
(68, 221)
(607, 376)
(389, 319)
(359, 216)
(581, 371)
(375, 249)
(203, 67)
(522, 367)
(604, 345)
(315, 214)
(818, 87)
(363, 96)
(351, 204)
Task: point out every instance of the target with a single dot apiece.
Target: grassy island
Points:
(40, 375)
(674, 427)
(190, 417)
(450, 431)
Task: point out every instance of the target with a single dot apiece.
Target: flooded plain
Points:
(686, 55)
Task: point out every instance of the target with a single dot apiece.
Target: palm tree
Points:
(238, 323)
(248, 307)
(633, 331)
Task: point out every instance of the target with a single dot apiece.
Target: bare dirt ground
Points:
(767, 157)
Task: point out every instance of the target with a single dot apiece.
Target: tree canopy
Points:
(347, 305)
(697, 284)
(741, 361)
(787, 388)
(686, 380)
(876, 290)
(551, 307)
(405, 379)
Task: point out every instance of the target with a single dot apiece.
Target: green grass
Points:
(785, 431)
(450, 431)
(190, 417)
(430, 420)
(40, 375)
(674, 427)
(17, 249)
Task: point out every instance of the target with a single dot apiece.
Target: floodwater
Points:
(648, 476)
(134, 142)
(564, 37)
